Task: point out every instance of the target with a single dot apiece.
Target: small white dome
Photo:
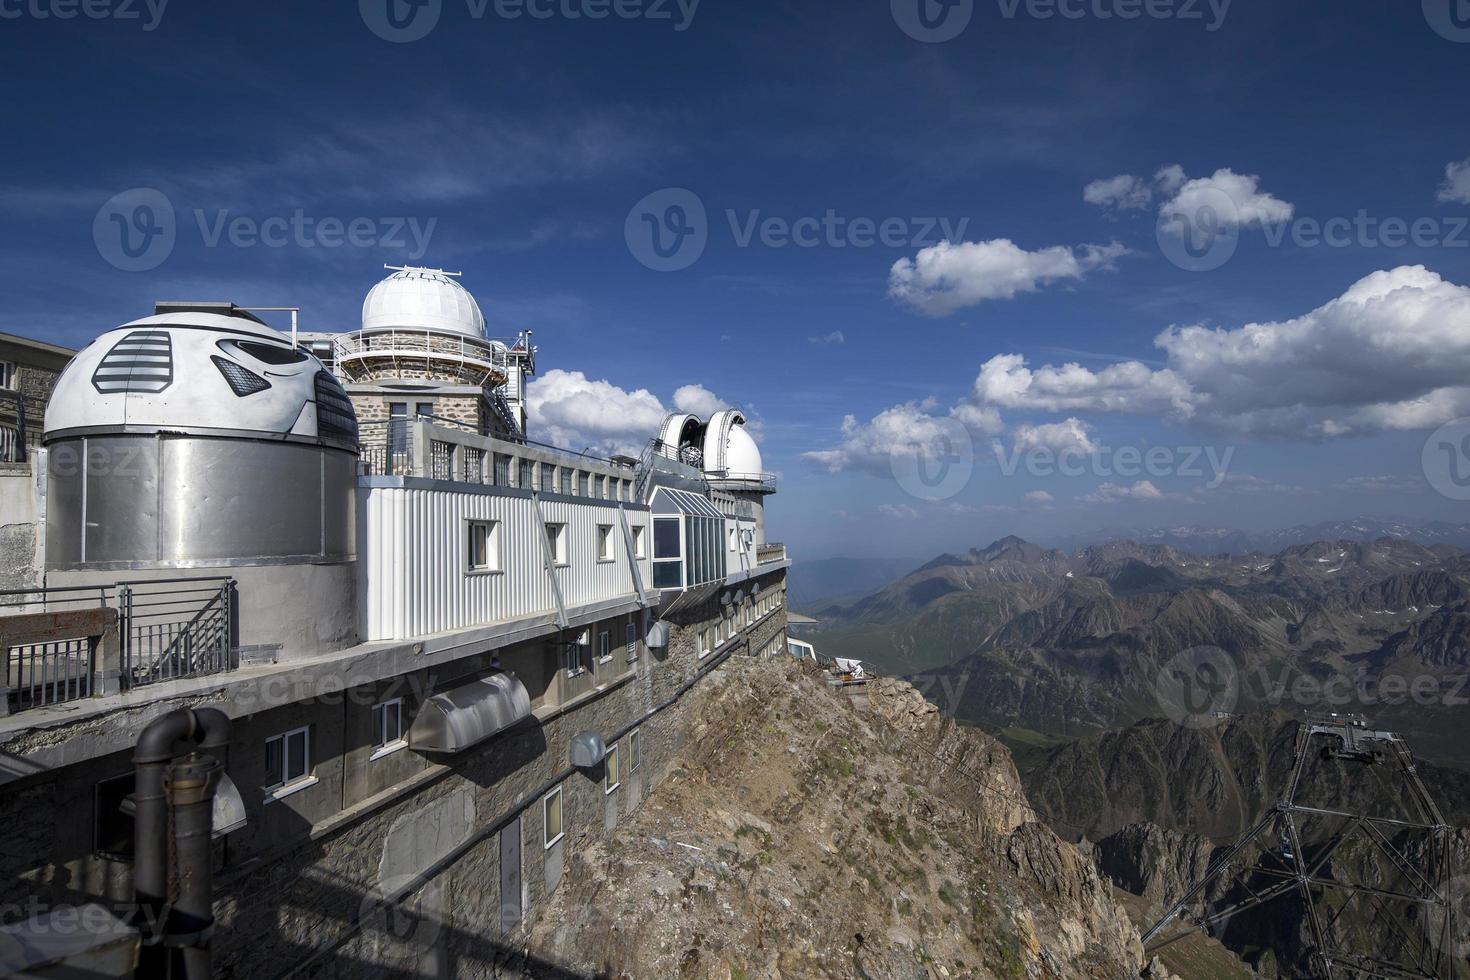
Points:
(729, 451)
(422, 299)
(742, 455)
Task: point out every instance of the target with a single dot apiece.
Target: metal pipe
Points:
(191, 785)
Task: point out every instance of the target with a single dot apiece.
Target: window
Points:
(604, 646)
(502, 470)
(571, 656)
(388, 727)
(551, 817)
(484, 546)
(705, 642)
(582, 484)
(635, 750)
(7, 375)
(599, 483)
(668, 566)
(630, 640)
(424, 410)
(638, 542)
(556, 539)
(566, 480)
(612, 779)
(548, 478)
(749, 616)
(734, 537)
(604, 542)
(527, 480)
(287, 759)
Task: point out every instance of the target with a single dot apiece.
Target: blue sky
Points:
(527, 151)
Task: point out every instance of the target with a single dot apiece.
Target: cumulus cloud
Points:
(1070, 436)
(903, 430)
(835, 337)
(1235, 199)
(1112, 493)
(1382, 484)
(947, 277)
(566, 408)
(1124, 192)
(1456, 186)
(698, 400)
(902, 512)
(1038, 497)
(1391, 353)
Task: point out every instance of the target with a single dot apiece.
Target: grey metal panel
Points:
(510, 876)
(136, 500)
(588, 749)
(658, 636)
(121, 521)
(457, 719)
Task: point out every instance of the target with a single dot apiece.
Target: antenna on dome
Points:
(419, 268)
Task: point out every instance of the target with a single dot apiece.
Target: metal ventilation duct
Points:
(658, 636)
(456, 720)
(588, 749)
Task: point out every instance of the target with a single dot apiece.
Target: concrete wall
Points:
(21, 561)
(302, 880)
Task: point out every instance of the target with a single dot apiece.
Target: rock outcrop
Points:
(812, 831)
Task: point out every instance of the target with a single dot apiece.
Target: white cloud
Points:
(1124, 192)
(1246, 483)
(1112, 493)
(1391, 353)
(1382, 484)
(947, 277)
(568, 409)
(1038, 497)
(835, 337)
(903, 430)
(1456, 186)
(902, 512)
(1249, 205)
(698, 400)
(1069, 436)
(1235, 199)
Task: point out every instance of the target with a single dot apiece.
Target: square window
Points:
(613, 778)
(388, 723)
(604, 542)
(551, 817)
(635, 750)
(287, 759)
(556, 539)
(484, 546)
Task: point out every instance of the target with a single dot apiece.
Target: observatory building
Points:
(445, 650)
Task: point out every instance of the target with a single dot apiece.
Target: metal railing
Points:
(423, 347)
(50, 672)
(172, 628)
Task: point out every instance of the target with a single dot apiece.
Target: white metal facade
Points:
(414, 575)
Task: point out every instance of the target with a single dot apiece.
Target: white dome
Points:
(729, 451)
(742, 455)
(179, 372)
(422, 299)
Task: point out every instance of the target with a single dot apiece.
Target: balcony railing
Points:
(66, 644)
(768, 553)
(407, 348)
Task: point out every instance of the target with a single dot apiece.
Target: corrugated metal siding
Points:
(415, 558)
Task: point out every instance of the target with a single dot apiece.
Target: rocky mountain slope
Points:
(806, 832)
(1059, 644)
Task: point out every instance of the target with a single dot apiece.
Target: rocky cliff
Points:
(812, 831)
